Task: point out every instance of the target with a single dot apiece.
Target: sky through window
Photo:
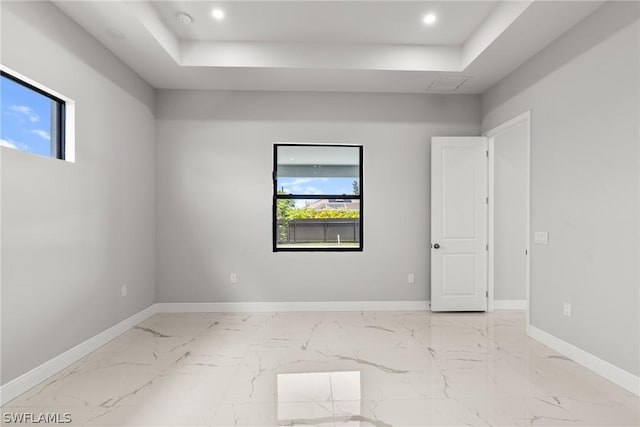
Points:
(25, 121)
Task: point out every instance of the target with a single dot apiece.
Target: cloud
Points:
(13, 144)
(23, 109)
(312, 190)
(5, 143)
(299, 181)
(42, 134)
(296, 186)
(297, 189)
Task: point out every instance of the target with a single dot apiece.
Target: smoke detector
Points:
(184, 18)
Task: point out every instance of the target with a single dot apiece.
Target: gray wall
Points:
(583, 93)
(73, 233)
(214, 164)
(510, 214)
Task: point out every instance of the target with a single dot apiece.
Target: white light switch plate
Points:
(541, 237)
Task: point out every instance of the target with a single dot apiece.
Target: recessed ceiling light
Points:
(430, 19)
(184, 18)
(217, 14)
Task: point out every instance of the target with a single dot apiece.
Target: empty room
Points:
(320, 213)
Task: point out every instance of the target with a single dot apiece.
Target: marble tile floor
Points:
(338, 369)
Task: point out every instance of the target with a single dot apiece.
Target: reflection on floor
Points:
(329, 369)
(311, 397)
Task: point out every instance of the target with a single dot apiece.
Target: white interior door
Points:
(459, 176)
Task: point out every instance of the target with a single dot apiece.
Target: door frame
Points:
(524, 118)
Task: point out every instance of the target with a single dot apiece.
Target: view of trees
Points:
(286, 210)
(308, 213)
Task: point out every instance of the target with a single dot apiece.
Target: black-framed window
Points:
(33, 120)
(317, 197)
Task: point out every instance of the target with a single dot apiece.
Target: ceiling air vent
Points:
(447, 84)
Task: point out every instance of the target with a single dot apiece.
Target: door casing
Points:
(524, 118)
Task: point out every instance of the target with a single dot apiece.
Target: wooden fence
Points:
(333, 230)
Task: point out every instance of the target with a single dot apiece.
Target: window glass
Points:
(317, 197)
(31, 120)
(310, 185)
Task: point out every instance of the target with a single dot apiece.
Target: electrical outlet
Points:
(124, 290)
(541, 237)
(411, 278)
(567, 309)
(233, 278)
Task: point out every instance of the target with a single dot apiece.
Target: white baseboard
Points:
(510, 304)
(261, 307)
(601, 367)
(24, 382)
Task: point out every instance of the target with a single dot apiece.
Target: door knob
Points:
(436, 246)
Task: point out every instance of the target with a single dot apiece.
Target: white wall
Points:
(73, 233)
(215, 158)
(510, 214)
(584, 95)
